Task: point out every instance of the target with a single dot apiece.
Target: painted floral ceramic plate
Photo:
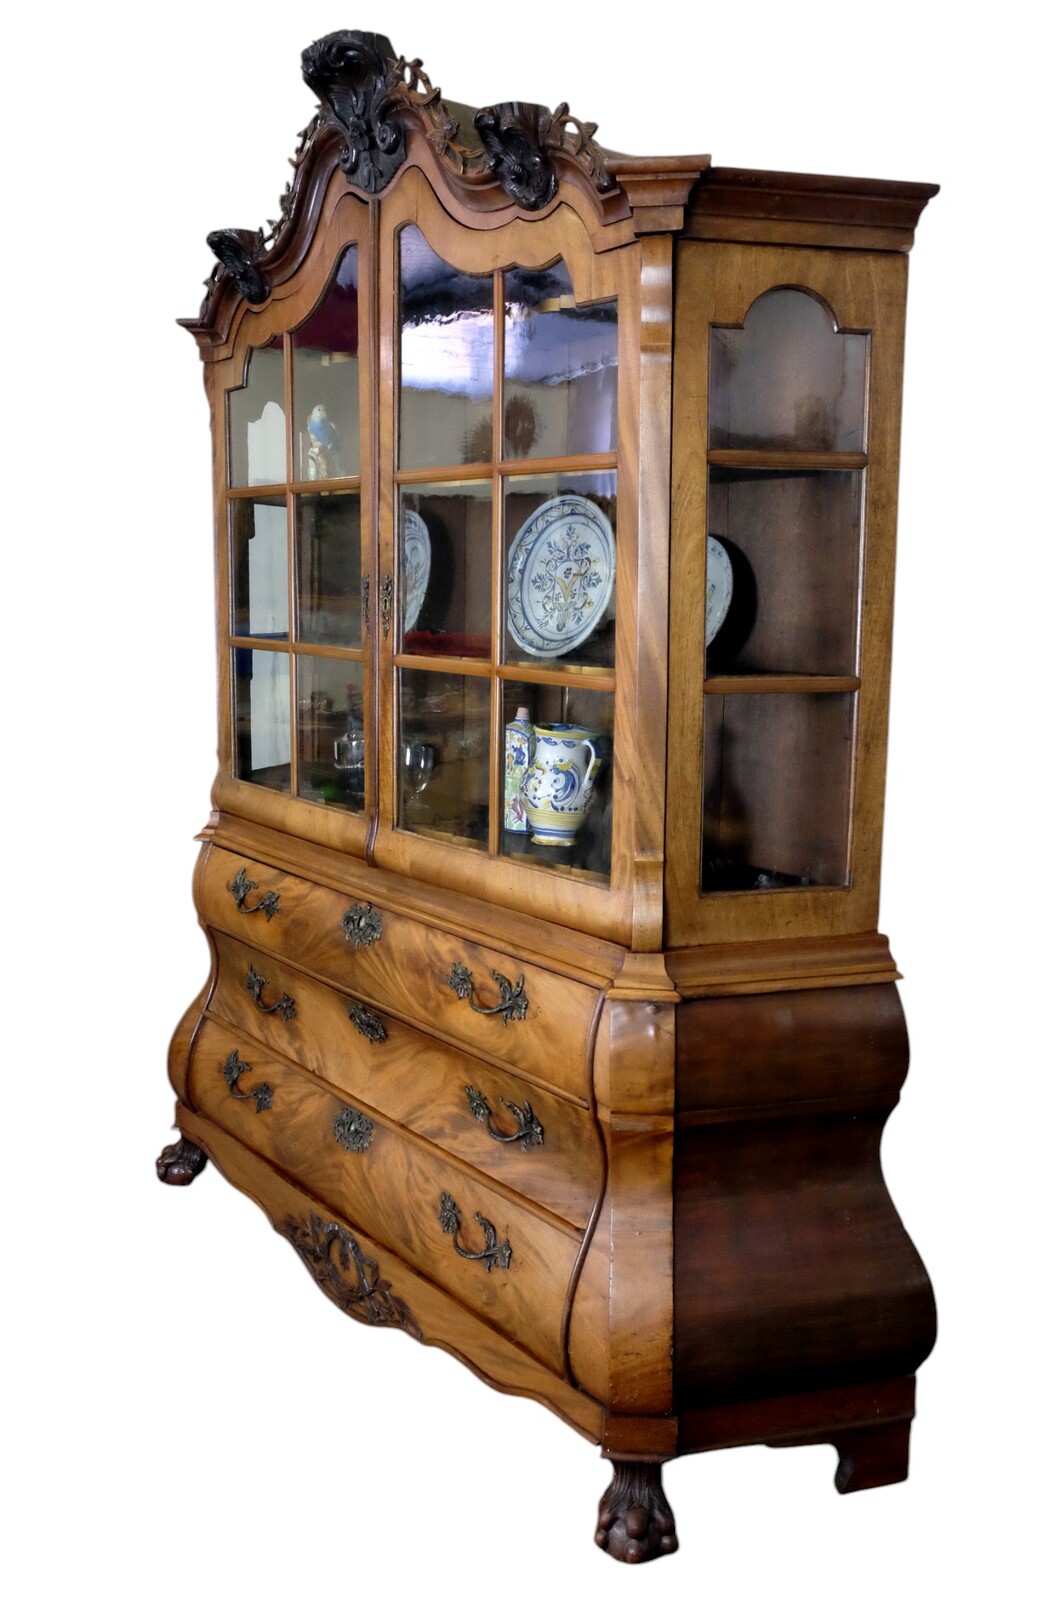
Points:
(416, 567)
(718, 587)
(560, 575)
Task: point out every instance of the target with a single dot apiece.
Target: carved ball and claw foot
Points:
(180, 1163)
(636, 1523)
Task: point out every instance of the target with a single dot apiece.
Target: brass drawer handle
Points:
(368, 1023)
(513, 1003)
(285, 1005)
(232, 1070)
(353, 1130)
(494, 1255)
(362, 926)
(243, 886)
(527, 1130)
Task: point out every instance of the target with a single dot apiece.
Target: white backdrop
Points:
(186, 1413)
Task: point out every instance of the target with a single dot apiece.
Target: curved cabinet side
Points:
(794, 1272)
(181, 1047)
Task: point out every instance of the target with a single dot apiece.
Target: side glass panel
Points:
(259, 567)
(330, 732)
(790, 544)
(778, 775)
(261, 717)
(329, 569)
(560, 558)
(561, 368)
(443, 755)
(787, 379)
(325, 381)
(256, 421)
(445, 538)
(447, 359)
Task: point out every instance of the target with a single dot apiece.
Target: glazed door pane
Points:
(325, 380)
(560, 560)
(259, 566)
(329, 568)
(445, 540)
(443, 755)
(256, 421)
(446, 343)
(261, 717)
(330, 730)
(561, 368)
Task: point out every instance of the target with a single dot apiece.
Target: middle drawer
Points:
(535, 1142)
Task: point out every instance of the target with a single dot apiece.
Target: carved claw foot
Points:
(868, 1458)
(180, 1163)
(636, 1523)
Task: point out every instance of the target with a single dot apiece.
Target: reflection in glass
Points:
(561, 368)
(259, 567)
(329, 569)
(447, 359)
(443, 753)
(330, 731)
(787, 380)
(559, 566)
(793, 539)
(261, 717)
(444, 568)
(777, 778)
(256, 417)
(325, 381)
(548, 705)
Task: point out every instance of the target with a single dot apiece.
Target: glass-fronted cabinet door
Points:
(500, 554)
(784, 467)
(294, 495)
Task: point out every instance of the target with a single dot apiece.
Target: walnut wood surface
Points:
(420, 1083)
(392, 1190)
(441, 1319)
(406, 971)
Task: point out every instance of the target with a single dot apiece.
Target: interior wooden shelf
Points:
(521, 467)
(789, 460)
(779, 683)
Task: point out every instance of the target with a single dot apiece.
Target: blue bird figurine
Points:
(322, 457)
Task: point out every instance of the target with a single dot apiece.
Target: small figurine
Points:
(323, 460)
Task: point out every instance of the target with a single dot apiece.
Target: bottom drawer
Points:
(498, 1258)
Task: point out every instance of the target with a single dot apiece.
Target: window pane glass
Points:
(561, 368)
(443, 755)
(256, 421)
(261, 717)
(447, 359)
(444, 568)
(787, 380)
(793, 546)
(330, 732)
(559, 541)
(777, 775)
(329, 569)
(558, 772)
(325, 381)
(259, 567)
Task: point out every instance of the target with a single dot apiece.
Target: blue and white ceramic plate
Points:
(560, 575)
(416, 566)
(718, 587)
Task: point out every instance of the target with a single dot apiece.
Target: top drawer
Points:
(499, 1007)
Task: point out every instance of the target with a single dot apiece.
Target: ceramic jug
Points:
(558, 784)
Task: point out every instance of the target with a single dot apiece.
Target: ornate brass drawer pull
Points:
(513, 1003)
(243, 886)
(368, 1023)
(232, 1070)
(527, 1130)
(285, 1005)
(494, 1255)
(353, 1130)
(362, 926)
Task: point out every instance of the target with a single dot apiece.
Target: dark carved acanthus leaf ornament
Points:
(369, 102)
(343, 1271)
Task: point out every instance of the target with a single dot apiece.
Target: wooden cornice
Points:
(806, 208)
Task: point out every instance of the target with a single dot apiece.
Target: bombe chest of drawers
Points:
(548, 1018)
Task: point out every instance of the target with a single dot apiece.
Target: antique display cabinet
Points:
(548, 1019)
